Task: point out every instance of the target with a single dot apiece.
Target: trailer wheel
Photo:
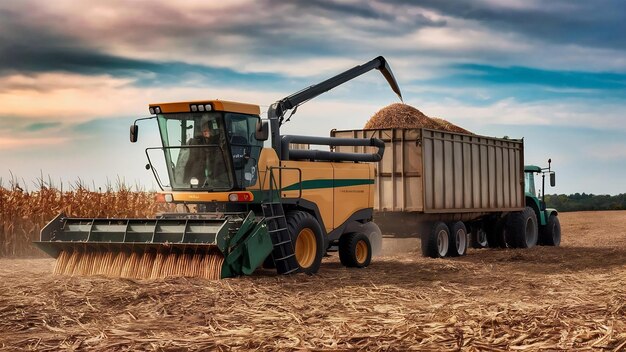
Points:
(308, 243)
(522, 228)
(551, 233)
(479, 237)
(436, 243)
(497, 233)
(355, 250)
(458, 240)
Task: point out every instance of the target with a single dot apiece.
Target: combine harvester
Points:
(278, 206)
(446, 185)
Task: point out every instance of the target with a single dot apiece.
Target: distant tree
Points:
(584, 201)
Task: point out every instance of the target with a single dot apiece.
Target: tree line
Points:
(584, 201)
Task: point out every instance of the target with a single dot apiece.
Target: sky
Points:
(75, 74)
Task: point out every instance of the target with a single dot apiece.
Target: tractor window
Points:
(244, 147)
(195, 149)
(529, 183)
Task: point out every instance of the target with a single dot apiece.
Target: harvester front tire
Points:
(355, 250)
(458, 240)
(436, 243)
(308, 241)
(522, 228)
(551, 233)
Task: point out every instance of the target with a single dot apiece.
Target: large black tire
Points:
(478, 237)
(436, 243)
(355, 250)
(551, 233)
(458, 239)
(497, 233)
(308, 241)
(522, 228)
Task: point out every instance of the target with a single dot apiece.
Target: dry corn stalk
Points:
(136, 265)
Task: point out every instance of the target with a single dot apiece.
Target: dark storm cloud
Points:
(599, 23)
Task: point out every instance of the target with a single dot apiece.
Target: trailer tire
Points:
(497, 233)
(522, 228)
(478, 237)
(308, 241)
(458, 240)
(436, 243)
(355, 250)
(551, 233)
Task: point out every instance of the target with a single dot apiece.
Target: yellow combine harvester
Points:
(280, 206)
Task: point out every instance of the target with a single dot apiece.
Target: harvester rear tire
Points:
(436, 243)
(355, 250)
(551, 233)
(308, 241)
(522, 228)
(458, 239)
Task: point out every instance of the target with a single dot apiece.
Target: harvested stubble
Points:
(406, 116)
(541, 299)
(136, 265)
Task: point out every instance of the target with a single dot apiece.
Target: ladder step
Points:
(284, 258)
(281, 243)
(277, 230)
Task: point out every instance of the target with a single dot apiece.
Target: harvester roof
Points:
(217, 105)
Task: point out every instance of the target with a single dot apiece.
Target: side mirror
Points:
(552, 179)
(262, 131)
(134, 133)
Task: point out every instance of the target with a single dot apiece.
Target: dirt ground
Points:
(571, 297)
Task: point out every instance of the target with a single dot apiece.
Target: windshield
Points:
(529, 183)
(195, 151)
(210, 150)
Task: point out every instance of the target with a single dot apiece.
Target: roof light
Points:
(157, 110)
(151, 109)
(194, 108)
(208, 107)
(200, 107)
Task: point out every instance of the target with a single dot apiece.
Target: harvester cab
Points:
(278, 206)
(547, 218)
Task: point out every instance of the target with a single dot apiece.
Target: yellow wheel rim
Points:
(306, 248)
(361, 251)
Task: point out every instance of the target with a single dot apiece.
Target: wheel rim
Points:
(481, 236)
(306, 248)
(531, 232)
(361, 252)
(442, 243)
(460, 241)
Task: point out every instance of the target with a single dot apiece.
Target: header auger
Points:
(254, 205)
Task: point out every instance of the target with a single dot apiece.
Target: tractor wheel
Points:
(436, 244)
(458, 240)
(551, 233)
(522, 228)
(355, 250)
(308, 243)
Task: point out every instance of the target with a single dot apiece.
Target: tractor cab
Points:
(207, 146)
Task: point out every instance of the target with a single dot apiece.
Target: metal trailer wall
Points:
(443, 175)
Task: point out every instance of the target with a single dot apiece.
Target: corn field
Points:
(23, 213)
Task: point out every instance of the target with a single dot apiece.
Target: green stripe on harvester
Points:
(313, 184)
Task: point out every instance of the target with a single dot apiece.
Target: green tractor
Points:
(547, 218)
(534, 225)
